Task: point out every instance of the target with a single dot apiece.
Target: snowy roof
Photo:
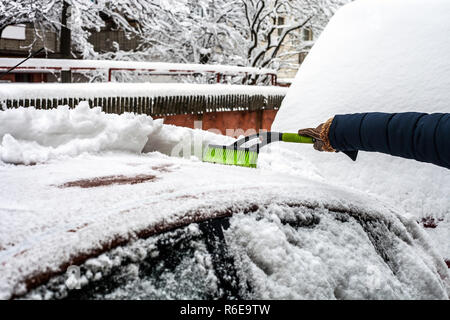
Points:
(66, 64)
(112, 89)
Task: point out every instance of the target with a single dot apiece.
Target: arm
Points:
(420, 136)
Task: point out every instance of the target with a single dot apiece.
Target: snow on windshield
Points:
(366, 259)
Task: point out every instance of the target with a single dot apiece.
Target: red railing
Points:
(218, 75)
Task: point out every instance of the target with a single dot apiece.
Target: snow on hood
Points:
(386, 56)
(293, 237)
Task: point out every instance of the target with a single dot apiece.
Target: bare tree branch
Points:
(281, 40)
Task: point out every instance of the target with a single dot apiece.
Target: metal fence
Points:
(161, 105)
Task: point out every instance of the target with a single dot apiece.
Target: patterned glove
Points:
(320, 135)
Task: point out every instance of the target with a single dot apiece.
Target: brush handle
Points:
(294, 137)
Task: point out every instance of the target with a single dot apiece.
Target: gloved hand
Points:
(320, 135)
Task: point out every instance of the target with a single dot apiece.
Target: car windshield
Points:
(251, 255)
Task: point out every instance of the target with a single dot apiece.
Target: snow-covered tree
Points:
(24, 11)
(276, 28)
(201, 31)
(240, 32)
(43, 15)
(258, 33)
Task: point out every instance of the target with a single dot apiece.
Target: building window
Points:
(301, 57)
(279, 21)
(16, 32)
(198, 11)
(307, 34)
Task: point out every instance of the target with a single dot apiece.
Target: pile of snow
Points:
(385, 56)
(29, 136)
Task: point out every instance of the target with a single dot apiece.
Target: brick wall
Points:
(227, 120)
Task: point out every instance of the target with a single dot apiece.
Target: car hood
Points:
(65, 212)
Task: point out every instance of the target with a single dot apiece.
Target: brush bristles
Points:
(243, 158)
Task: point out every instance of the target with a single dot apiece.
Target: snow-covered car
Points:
(121, 225)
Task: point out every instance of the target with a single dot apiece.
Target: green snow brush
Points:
(244, 152)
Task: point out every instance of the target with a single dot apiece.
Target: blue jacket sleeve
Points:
(420, 136)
